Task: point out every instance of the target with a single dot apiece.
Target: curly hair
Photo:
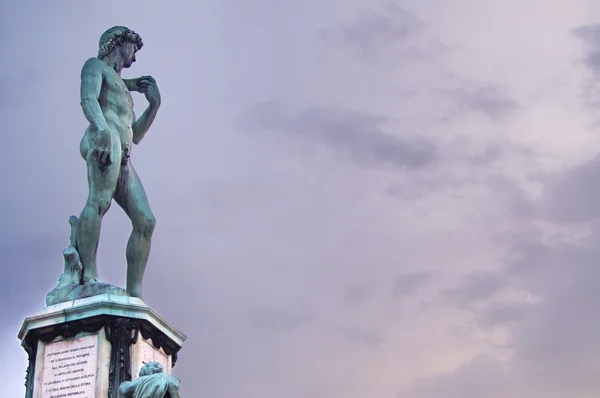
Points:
(114, 37)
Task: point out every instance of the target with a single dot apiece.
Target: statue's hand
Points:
(102, 147)
(147, 86)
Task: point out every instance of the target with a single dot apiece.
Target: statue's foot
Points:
(135, 293)
(91, 280)
(134, 288)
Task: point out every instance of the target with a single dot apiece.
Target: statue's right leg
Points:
(102, 184)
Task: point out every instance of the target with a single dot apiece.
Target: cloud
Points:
(408, 284)
(369, 338)
(553, 343)
(357, 294)
(590, 36)
(494, 299)
(270, 320)
(326, 250)
(551, 318)
(488, 155)
(483, 376)
(575, 196)
(486, 99)
(380, 30)
(503, 314)
(476, 286)
(354, 135)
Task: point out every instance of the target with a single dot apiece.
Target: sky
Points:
(353, 198)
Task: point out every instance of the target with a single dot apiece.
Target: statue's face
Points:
(128, 51)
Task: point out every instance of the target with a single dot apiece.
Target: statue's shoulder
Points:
(93, 64)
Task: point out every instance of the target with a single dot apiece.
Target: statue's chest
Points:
(117, 87)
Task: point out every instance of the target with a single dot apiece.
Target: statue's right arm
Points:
(91, 84)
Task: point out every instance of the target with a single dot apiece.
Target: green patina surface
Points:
(106, 147)
(151, 383)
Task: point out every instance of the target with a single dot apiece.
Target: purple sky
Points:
(354, 198)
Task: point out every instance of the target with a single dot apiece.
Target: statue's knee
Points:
(150, 223)
(146, 225)
(100, 205)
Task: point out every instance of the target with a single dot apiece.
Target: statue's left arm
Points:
(147, 86)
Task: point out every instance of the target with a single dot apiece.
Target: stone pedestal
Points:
(86, 348)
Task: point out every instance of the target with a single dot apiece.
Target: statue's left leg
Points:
(130, 195)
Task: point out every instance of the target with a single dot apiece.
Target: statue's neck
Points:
(115, 62)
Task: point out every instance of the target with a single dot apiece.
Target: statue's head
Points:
(150, 368)
(120, 39)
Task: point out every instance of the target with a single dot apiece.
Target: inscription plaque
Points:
(69, 368)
